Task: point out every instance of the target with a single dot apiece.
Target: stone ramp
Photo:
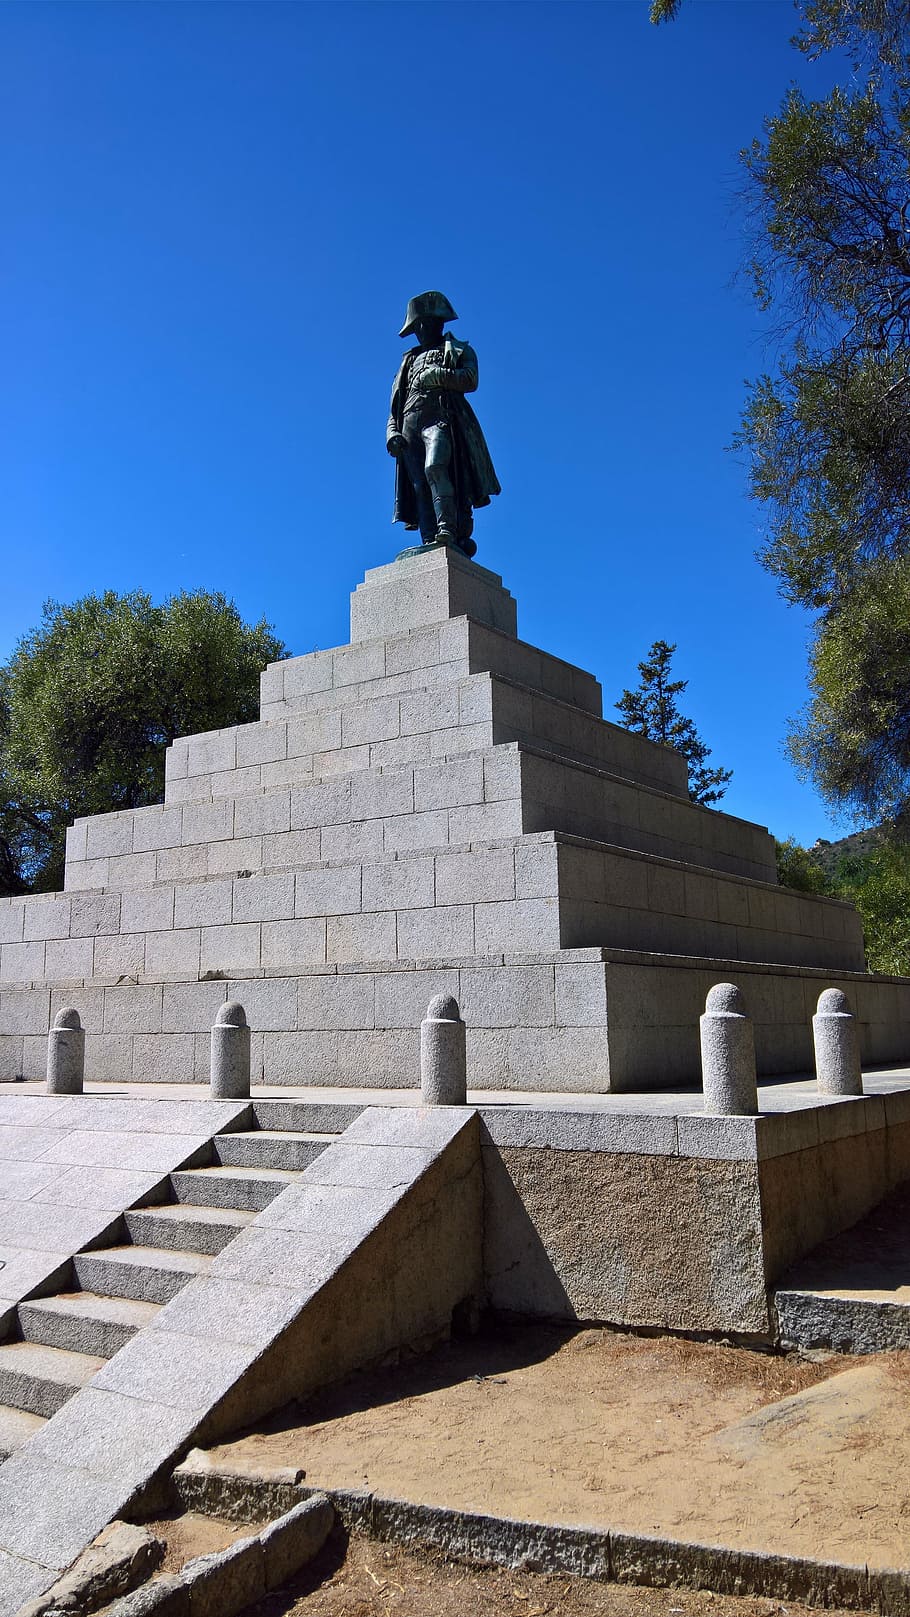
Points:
(852, 1293)
(371, 1247)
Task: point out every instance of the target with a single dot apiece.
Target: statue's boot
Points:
(446, 511)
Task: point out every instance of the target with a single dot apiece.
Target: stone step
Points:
(84, 1322)
(846, 1322)
(239, 1188)
(289, 1149)
(42, 1379)
(16, 1425)
(303, 1116)
(145, 1273)
(186, 1228)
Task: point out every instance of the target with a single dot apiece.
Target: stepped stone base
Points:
(435, 807)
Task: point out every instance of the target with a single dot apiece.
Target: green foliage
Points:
(652, 711)
(796, 868)
(853, 739)
(664, 10)
(91, 698)
(876, 881)
(879, 886)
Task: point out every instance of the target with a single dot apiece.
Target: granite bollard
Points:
(443, 1061)
(66, 1054)
(230, 1053)
(728, 1054)
(837, 1064)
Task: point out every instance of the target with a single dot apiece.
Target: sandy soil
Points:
(696, 1440)
(374, 1580)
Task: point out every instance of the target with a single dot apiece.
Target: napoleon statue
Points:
(443, 468)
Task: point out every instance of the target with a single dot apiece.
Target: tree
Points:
(652, 711)
(90, 700)
(828, 431)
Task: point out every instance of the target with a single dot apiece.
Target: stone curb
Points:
(224, 1583)
(607, 1556)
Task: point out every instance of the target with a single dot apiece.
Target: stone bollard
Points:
(231, 1053)
(728, 1054)
(443, 1063)
(66, 1054)
(837, 1064)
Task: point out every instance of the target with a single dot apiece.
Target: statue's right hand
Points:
(395, 444)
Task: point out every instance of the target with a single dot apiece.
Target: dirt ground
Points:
(699, 1441)
(375, 1580)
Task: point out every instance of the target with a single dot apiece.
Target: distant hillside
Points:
(829, 854)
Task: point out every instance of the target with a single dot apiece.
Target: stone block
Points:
(334, 890)
(429, 710)
(425, 590)
(304, 675)
(449, 785)
(295, 1538)
(335, 1002)
(581, 995)
(397, 753)
(108, 834)
(508, 996)
(264, 898)
(376, 795)
(291, 848)
(173, 954)
(359, 841)
(132, 1009)
(261, 743)
(484, 876)
(527, 924)
(24, 1012)
(94, 914)
(21, 962)
(157, 828)
(132, 869)
(262, 814)
(341, 761)
(370, 721)
(119, 957)
(151, 911)
(203, 903)
(436, 934)
(399, 884)
(188, 863)
(229, 948)
(293, 944)
(323, 803)
(207, 822)
(46, 918)
(75, 1505)
(269, 1002)
(241, 853)
(361, 937)
(402, 997)
(76, 840)
(485, 822)
(192, 1007)
(12, 920)
(86, 873)
(355, 664)
(212, 751)
(410, 833)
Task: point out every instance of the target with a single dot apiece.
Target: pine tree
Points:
(652, 711)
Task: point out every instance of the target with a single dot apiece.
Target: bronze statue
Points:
(443, 468)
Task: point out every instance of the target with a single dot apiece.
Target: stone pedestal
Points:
(435, 808)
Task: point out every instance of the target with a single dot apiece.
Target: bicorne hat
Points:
(426, 303)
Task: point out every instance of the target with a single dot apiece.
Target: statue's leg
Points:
(413, 460)
(438, 445)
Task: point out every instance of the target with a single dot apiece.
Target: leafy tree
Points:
(828, 431)
(91, 698)
(652, 711)
(796, 868)
(879, 886)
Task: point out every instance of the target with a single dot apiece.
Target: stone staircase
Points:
(58, 1343)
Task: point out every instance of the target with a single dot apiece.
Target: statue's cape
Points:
(472, 470)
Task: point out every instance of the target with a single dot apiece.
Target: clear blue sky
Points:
(214, 216)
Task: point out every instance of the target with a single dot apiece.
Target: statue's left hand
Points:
(395, 444)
